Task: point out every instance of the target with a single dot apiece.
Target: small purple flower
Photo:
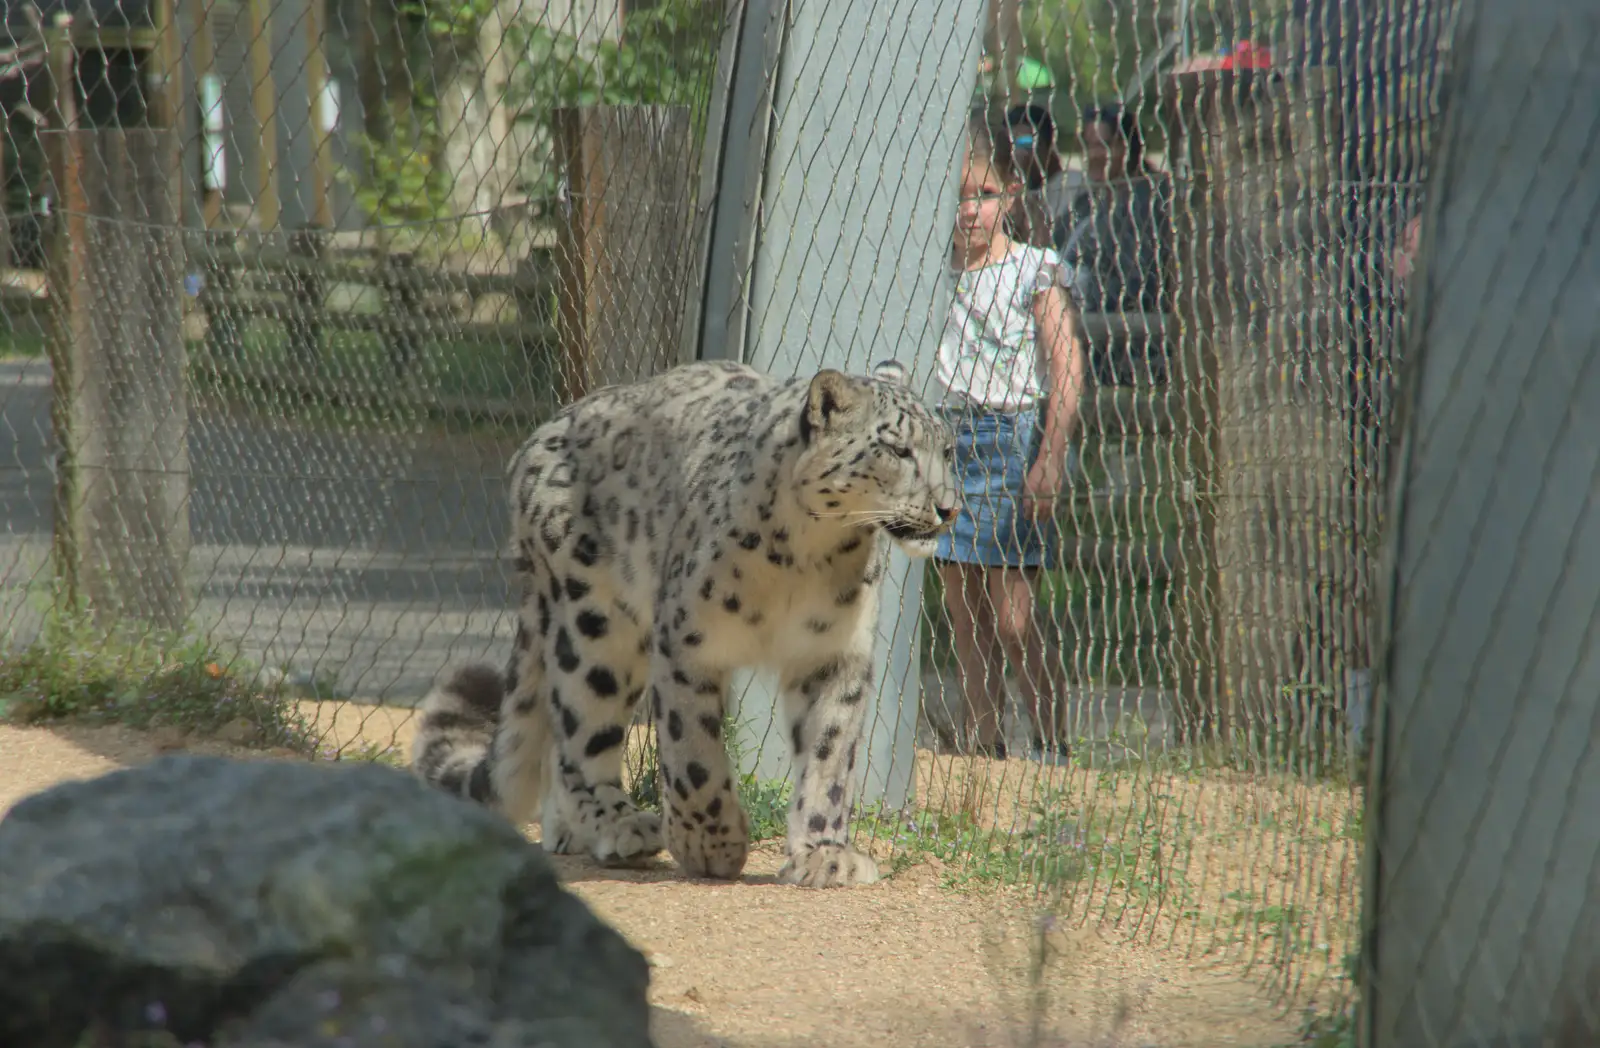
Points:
(155, 1013)
(328, 1000)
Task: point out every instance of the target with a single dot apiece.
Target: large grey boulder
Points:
(255, 903)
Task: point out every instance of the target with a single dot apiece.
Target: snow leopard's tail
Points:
(454, 747)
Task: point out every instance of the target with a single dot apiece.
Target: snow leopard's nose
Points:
(946, 513)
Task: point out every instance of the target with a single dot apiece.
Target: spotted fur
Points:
(666, 534)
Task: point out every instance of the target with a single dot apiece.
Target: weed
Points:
(391, 754)
(1062, 844)
(1046, 951)
(644, 787)
(765, 802)
(1335, 1028)
(78, 671)
(767, 805)
(1284, 929)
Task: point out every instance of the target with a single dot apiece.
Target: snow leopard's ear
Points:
(831, 395)
(890, 371)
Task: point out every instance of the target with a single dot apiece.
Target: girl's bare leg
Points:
(1012, 598)
(979, 658)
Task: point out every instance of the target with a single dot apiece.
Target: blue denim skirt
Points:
(993, 452)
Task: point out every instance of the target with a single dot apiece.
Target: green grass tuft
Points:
(767, 805)
(765, 801)
(77, 671)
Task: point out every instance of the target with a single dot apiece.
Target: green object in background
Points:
(1033, 75)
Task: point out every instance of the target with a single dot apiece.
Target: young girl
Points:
(1012, 368)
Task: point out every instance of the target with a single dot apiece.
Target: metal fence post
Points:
(1482, 892)
(810, 266)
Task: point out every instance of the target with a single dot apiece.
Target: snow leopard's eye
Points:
(898, 450)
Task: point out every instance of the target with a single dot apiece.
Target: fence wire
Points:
(267, 401)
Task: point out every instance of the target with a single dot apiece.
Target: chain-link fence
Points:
(1481, 900)
(286, 284)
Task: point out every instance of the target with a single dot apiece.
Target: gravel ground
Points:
(904, 962)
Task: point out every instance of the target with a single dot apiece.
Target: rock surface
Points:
(255, 903)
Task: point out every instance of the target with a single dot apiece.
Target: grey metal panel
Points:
(732, 163)
(1484, 899)
(857, 204)
(296, 140)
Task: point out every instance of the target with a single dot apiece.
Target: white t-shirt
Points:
(988, 351)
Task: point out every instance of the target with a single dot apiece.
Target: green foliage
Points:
(399, 182)
(447, 18)
(1094, 48)
(1063, 844)
(767, 805)
(644, 787)
(78, 671)
(667, 56)
(765, 802)
(448, 382)
(1335, 1028)
(23, 343)
(401, 185)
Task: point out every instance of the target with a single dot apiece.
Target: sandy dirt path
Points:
(903, 962)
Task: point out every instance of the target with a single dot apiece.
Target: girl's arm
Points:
(1066, 362)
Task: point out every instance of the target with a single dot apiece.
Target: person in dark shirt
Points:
(1045, 185)
(1117, 233)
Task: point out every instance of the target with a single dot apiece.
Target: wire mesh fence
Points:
(287, 284)
(1482, 876)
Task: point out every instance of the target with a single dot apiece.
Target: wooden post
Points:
(308, 294)
(264, 106)
(321, 141)
(623, 253)
(165, 73)
(1197, 638)
(117, 355)
(384, 79)
(405, 309)
(1003, 40)
(531, 293)
(1266, 364)
(204, 56)
(64, 244)
(5, 218)
(224, 322)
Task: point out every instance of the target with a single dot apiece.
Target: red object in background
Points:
(1246, 56)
